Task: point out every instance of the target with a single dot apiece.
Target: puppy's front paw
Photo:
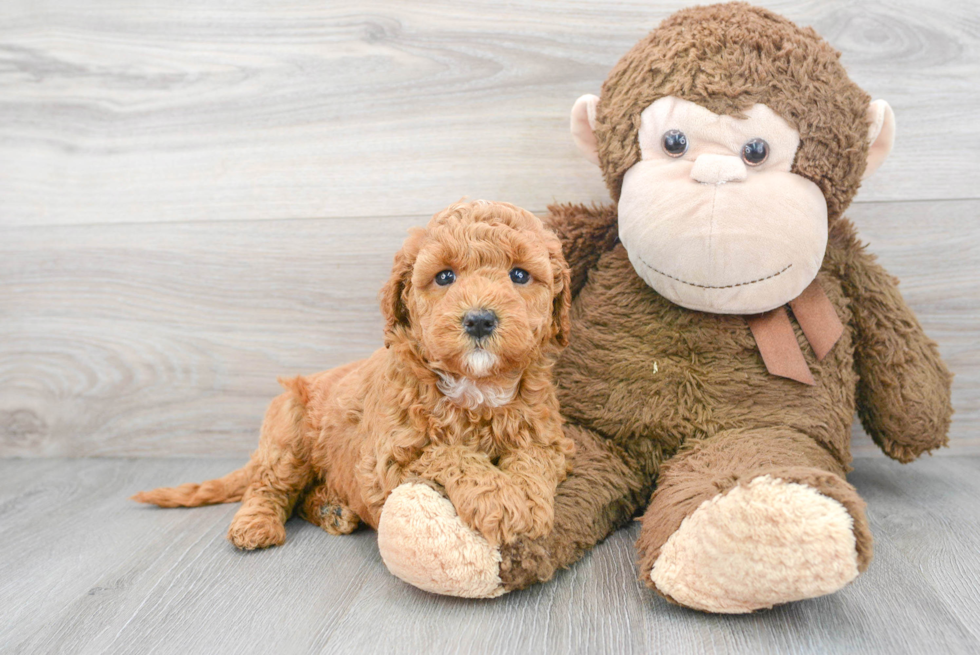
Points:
(542, 517)
(423, 541)
(504, 515)
(253, 531)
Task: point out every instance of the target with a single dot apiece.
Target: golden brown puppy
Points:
(461, 395)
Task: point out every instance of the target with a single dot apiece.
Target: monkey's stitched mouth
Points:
(708, 286)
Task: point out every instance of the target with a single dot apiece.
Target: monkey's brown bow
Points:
(774, 333)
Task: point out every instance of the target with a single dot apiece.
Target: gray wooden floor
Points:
(84, 570)
(196, 197)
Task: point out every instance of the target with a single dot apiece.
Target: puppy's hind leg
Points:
(324, 508)
(282, 472)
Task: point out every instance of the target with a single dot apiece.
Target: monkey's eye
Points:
(755, 152)
(519, 276)
(446, 277)
(674, 143)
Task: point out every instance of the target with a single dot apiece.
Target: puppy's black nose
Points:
(479, 323)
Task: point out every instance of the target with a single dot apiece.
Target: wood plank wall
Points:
(198, 196)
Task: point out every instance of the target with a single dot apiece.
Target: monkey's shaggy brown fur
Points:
(656, 395)
(350, 435)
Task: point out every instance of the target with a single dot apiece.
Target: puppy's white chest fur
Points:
(470, 394)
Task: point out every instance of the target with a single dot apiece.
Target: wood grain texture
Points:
(166, 339)
(191, 111)
(84, 570)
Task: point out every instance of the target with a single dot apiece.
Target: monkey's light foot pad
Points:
(758, 545)
(424, 542)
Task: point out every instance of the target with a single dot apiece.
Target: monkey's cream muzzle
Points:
(709, 231)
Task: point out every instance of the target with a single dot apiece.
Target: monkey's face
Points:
(712, 216)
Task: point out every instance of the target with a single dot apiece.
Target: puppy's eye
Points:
(674, 143)
(755, 152)
(519, 276)
(446, 277)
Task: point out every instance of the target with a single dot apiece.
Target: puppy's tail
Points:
(231, 487)
(228, 489)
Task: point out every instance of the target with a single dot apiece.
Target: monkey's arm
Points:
(904, 386)
(585, 234)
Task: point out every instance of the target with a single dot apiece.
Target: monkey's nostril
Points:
(479, 323)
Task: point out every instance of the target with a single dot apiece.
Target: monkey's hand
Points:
(585, 234)
(904, 387)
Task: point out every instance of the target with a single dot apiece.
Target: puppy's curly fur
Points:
(475, 414)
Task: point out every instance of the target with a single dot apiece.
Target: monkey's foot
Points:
(758, 545)
(424, 542)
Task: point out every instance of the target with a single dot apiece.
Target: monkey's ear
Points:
(583, 124)
(881, 135)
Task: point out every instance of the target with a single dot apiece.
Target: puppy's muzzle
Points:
(480, 323)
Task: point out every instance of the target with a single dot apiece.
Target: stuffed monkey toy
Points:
(727, 323)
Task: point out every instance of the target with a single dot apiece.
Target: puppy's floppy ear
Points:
(395, 290)
(562, 303)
